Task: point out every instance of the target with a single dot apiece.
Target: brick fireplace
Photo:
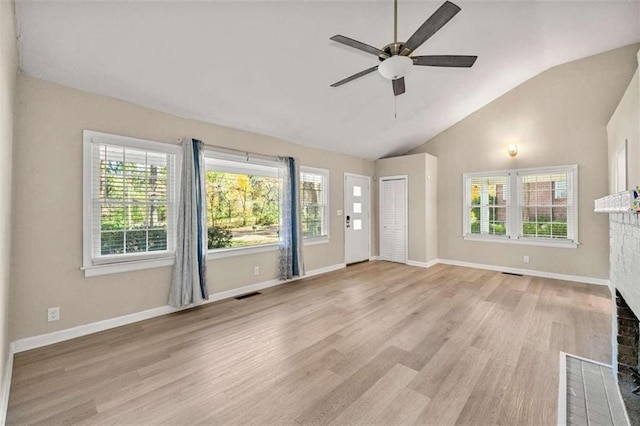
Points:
(624, 256)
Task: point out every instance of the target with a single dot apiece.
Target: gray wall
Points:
(8, 73)
(48, 208)
(558, 117)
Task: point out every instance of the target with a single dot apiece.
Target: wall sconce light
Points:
(512, 149)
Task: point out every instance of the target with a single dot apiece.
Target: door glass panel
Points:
(357, 224)
(357, 191)
(357, 207)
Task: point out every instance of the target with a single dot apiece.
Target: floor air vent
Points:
(244, 296)
(511, 273)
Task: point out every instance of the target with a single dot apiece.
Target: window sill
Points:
(240, 251)
(114, 268)
(523, 241)
(315, 241)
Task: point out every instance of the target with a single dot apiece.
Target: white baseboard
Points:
(422, 264)
(28, 343)
(531, 272)
(374, 257)
(6, 386)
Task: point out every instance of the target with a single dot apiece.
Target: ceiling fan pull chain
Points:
(395, 107)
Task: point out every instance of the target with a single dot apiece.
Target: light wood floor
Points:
(375, 343)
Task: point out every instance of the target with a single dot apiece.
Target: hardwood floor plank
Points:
(370, 405)
(375, 343)
(449, 400)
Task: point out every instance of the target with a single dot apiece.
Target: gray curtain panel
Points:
(291, 261)
(189, 286)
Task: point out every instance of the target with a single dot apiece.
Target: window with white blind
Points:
(129, 203)
(525, 206)
(314, 200)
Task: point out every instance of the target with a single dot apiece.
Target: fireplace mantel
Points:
(622, 202)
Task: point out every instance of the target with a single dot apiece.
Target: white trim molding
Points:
(6, 385)
(531, 272)
(34, 342)
(423, 264)
(497, 268)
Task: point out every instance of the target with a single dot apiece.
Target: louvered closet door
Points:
(393, 219)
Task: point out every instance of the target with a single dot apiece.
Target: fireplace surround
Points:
(624, 257)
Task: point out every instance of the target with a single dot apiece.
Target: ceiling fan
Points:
(394, 57)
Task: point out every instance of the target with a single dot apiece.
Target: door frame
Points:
(344, 211)
(405, 178)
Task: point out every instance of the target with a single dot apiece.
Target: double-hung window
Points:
(314, 203)
(129, 203)
(242, 201)
(487, 203)
(526, 206)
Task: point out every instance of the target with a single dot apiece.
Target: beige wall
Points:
(8, 72)
(47, 252)
(421, 171)
(625, 125)
(558, 117)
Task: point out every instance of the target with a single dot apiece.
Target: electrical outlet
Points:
(53, 314)
(526, 259)
(256, 270)
(338, 212)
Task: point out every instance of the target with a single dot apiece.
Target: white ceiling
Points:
(267, 66)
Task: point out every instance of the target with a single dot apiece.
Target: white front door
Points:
(356, 218)
(393, 219)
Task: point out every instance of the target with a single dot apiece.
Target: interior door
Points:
(357, 227)
(393, 219)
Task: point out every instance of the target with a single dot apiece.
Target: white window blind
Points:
(314, 200)
(133, 201)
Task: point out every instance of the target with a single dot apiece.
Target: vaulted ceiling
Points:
(266, 66)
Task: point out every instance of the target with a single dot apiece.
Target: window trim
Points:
(326, 174)
(221, 253)
(514, 224)
(125, 262)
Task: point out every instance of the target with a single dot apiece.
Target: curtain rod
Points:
(238, 151)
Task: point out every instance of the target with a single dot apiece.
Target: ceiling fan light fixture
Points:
(395, 67)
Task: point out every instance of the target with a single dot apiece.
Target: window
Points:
(528, 206)
(243, 208)
(545, 209)
(129, 201)
(487, 204)
(314, 200)
(560, 189)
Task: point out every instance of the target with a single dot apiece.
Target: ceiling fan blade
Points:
(457, 61)
(353, 77)
(358, 45)
(436, 21)
(398, 86)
